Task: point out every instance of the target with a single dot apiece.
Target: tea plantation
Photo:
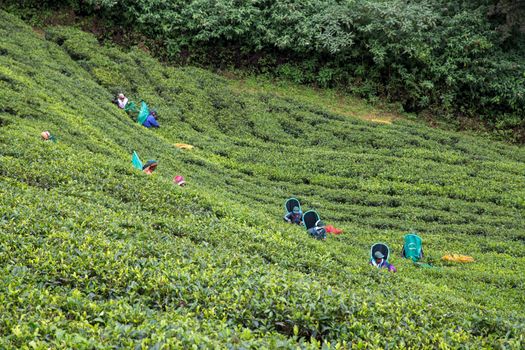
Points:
(96, 255)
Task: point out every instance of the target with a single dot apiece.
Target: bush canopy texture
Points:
(95, 254)
(456, 59)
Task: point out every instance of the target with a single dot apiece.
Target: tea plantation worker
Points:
(380, 262)
(179, 180)
(150, 166)
(121, 101)
(295, 216)
(46, 135)
(318, 231)
(151, 120)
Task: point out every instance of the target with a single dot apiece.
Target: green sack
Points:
(413, 247)
(143, 114)
(423, 265)
(130, 107)
(135, 160)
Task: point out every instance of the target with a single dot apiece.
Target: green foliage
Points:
(95, 254)
(463, 59)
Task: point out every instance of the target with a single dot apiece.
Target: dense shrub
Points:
(94, 254)
(463, 59)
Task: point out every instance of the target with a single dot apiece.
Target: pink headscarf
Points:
(179, 180)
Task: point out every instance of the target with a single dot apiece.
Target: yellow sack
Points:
(184, 146)
(458, 258)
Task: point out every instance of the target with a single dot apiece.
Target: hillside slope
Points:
(94, 254)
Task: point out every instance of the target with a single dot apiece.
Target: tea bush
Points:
(94, 254)
(453, 59)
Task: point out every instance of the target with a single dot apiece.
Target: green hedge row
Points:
(96, 255)
(452, 59)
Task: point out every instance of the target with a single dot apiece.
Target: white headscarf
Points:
(122, 102)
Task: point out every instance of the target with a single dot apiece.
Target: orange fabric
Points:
(184, 146)
(332, 229)
(458, 258)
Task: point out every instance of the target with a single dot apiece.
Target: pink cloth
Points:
(179, 180)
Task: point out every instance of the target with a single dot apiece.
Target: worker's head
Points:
(319, 223)
(179, 180)
(296, 210)
(153, 112)
(150, 166)
(378, 256)
(121, 96)
(45, 135)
